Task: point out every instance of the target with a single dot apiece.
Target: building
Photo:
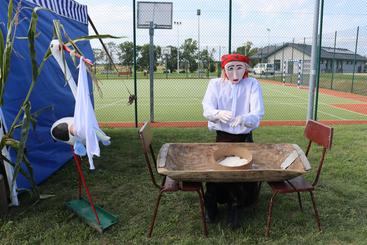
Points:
(295, 56)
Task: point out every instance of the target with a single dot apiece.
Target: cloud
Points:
(270, 7)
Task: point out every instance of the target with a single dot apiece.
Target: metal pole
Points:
(151, 70)
(134, 66)
(283, 65)
(198, 13)
(178, 23)
(292, 62)
(230, 28)
(275, 57)
(319, 59)
(267, 53)
(166, 66)
(311, 94)
(333, 63)
(354, 60)
(303, 59)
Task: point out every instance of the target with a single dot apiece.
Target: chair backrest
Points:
(322, 135)
(146, 137)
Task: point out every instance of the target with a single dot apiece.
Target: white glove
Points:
(248, 121)
(236, 121)
(223, 116)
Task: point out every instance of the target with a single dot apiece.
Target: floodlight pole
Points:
(178, 23)
(312, 80)
(151, 70)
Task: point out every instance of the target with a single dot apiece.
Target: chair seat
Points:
(297, 184)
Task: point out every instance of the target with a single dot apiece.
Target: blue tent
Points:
(45, 155)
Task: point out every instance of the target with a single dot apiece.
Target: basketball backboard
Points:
(160, 13)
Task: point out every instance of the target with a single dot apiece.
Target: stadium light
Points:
(178, 23)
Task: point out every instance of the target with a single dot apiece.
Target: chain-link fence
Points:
(277, 38)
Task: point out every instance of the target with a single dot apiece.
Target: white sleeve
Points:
(210, 104)
(253, 118)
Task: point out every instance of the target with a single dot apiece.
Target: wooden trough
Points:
(198, 162)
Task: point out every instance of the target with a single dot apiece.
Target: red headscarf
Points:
(235, 57)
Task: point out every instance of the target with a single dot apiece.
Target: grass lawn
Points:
(121, 185)
(180, 100)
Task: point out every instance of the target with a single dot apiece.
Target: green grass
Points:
(121, 185)
(180, 100)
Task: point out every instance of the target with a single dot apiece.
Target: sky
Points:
(258, 21)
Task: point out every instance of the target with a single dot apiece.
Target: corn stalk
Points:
(24, 119)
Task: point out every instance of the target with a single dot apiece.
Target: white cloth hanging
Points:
(85, 122)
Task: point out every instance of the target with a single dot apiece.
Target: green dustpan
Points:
(83, 209)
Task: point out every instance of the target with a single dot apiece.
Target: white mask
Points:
(235, 71)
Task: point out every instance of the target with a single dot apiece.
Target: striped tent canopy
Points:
(66, 8)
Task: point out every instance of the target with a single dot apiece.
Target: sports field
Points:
(180, 100)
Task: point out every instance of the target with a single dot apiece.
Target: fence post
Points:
(303, 59)
(151, 69)
(332, 63)
(311, 83)
(354, 60)
(299, 73)
(230, 28)
(283, 65)
(319, 59)
(275, 56)
(134, 67)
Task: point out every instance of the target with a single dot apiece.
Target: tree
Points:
(126, 53)
(114, 53)
(143, 58)
(190, 48)
(99, 55)
(207, 59)
(247, 49)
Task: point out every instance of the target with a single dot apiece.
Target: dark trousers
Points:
(238, 193)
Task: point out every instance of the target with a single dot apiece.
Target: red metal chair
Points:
(168, 184)
(322, 135)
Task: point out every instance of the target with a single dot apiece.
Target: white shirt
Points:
(243, 99)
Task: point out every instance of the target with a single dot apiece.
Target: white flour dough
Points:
(233, 161)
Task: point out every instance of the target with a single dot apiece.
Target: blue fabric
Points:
(45, 155)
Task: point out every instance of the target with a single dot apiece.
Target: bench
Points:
(124, 73)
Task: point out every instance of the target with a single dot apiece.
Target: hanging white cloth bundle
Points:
(84, 128)
(85, 121)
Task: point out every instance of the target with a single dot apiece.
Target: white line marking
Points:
(299, 97)
(108, 105)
